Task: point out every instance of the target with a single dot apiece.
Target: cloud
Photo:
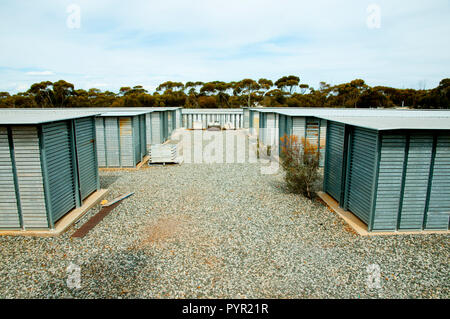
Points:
(148, 42)
(40, 73)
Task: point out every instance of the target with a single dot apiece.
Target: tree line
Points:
(287, 91)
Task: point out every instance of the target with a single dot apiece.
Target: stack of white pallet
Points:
(163, 153)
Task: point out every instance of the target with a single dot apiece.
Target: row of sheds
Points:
(49, 159)
(221, 116)
(390, 168)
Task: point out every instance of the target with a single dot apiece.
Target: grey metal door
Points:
(59, 166)
(86, 156)
(361, 170)
(334, 159)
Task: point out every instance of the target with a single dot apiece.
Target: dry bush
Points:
(300, 162)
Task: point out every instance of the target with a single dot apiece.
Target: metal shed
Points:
(205, 116)
(122, 138)
(311, 123)
(392, 173)
(48, 166)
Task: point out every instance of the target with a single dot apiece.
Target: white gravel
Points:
(220, 231)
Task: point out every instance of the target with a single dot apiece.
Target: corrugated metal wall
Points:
(51, 168)
(112, 142)
(9, 213)
(121, 141)
(127, 147)
(439, 200)
(392, 180)
(136, 140)
(165, 126)
(361, 171)
(156, 128)
(246, 118)
(236, 119)
(169, 122)
(59, 166)
(178, 119)
(390, 177)
(143, 136)
(29, 175)
(148, 129)
(334, 159)
(255, 122)
(86, 156)
(298, 127)
(100, 141)
(414, 182)
(322, 141)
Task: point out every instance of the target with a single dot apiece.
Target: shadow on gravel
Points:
(103, 276)
(107, 181)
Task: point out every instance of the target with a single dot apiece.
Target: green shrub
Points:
(300, 161)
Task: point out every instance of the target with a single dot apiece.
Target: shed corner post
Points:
(375, 181)
(48, 203)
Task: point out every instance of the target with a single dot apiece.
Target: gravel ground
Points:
(220, 231)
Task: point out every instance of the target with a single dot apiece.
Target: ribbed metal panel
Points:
(29, 174)
(169, 122)
(9, 213)
(178, 119)
(58, 162)
(256, 123)
(298, 127)
(87, 162)
(390, 175)
(322, 141)
(439, 203)
(246, 118)
(262, 125)
(142, 136)
(136, 127)
(112, 142)
(148, 129)
(361, 172)
(416, 181)
(165, 126)
(333, 167)
(312, 131)
(100, 140)
(156, 128)
(127, 147)
(270, 129)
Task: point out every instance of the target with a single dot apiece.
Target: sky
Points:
(110, 44)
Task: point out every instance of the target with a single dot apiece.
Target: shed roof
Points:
(39, 116)
(347, 112)
(385, 123)
(218, 111)
(124, 113)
